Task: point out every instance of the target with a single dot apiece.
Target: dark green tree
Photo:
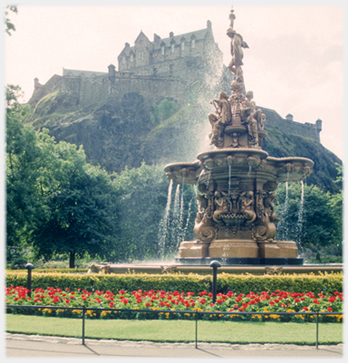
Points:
(320, 222)
(55, 200)
(82, 217)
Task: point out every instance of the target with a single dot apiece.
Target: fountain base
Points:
(258, 261)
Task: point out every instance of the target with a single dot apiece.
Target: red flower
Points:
(125, 301)
(241, 309)
(305, 308)
(329, 309)
(111, 305)
(297, 300)
(235, 306)
(220, 301)
(271, 303)
(245, 305)
(147, 304)
(161, 303)
(203, 293)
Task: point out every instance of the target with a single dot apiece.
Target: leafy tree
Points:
(163, 111)
(320, 224)
(53, 196)
(143, 194)
(9, 25)
(81, 218)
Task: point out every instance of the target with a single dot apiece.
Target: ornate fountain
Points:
(236, 181)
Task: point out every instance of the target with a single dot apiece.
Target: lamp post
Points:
(29, 266)
(214, 265)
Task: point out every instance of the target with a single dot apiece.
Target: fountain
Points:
(236, 182)
(235, 191)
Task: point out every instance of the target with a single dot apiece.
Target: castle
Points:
(169, 68)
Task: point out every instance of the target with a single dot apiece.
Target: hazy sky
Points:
(294, 63)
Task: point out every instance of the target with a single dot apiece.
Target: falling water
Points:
(176, 207)
(249, 170)
(175, 221)
(283, 227)
(285, 213)
(180, 231)
(300, 218)
(187, 221)
(163, 228)
(229, 187)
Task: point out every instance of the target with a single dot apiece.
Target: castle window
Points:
(162, 50)
(193, 44)
(131, 58)
(183, 46)
(141, 55)
(173, 48)
(124, 60)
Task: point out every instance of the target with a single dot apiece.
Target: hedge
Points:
(326, 283)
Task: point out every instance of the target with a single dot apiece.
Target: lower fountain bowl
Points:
(258, 261)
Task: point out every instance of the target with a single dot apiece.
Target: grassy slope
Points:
(178, 330)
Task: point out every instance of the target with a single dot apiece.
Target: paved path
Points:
(21, 345)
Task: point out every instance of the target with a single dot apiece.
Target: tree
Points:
(36, 168)
(320, 224)
(82, 217)
(9, 25)
(55, 200)
(143, 194)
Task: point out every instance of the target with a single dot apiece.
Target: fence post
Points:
(83, 325)
(214, 265)
(29, 266)
(317, 338)
(196, 329)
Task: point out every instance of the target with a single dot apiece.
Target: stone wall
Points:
(307, 129)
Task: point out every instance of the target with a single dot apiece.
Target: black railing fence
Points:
(196, 314)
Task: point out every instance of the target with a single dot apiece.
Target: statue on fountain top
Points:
(220, 118)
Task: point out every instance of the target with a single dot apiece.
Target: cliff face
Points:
(119, 133)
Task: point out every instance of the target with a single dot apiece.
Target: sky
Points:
(294, 63)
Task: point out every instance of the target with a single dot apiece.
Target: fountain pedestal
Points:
(236, 222)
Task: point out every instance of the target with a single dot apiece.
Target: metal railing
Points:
(195, 313)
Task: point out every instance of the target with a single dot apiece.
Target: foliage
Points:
(163, 111)
(9, 25)
(318, 225)
(81, 217)
(325, 283)
(55, 200)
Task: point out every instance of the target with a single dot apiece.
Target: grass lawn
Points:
(178, 330)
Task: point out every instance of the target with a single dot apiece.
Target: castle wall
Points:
(307, 129)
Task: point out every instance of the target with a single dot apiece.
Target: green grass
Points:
(178, 330)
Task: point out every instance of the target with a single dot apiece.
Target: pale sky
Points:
(294, 63)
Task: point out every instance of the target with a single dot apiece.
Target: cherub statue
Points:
(251, 117)
(220, 118)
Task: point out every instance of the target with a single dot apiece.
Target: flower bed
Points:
(278, 301)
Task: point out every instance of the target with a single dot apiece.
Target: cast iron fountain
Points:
(236, 222)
